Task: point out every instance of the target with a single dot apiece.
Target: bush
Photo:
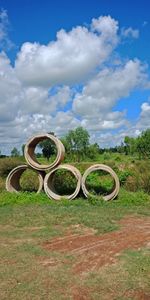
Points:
(106, 155)
(64, 182)
(112, 164)
(9, 163)
(140, 178)
(123, 176)
(29, 181)
(99, 182)
(2, 184)
(117, 158)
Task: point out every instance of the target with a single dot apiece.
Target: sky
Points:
(65, 64)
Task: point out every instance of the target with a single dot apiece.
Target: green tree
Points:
(22, 148)
(48, 147)
(93, 151)
(130, 145)
(15, 152)
(143, 144)
(77, 142)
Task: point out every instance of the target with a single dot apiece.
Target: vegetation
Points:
(15, 152)
(30, 271)
(28, 221)
(78, 147)
(139, 145)
(48, 147)
(77, 141)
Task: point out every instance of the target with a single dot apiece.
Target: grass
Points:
(27, 220)
(28, 271)
(128, 279)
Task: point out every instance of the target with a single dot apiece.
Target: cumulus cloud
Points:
(103, 91)
(107, 27)
(144, 118)
(69, 59)
(71, 81)
(17, 99)
(39, 100)
(130, 33)
(5, 42)
(10, 88)
(108, 121)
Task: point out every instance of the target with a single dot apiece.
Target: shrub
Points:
(117, 158)
(99, 182)
(2, 184)
(112, 164)
(106, 155)
(140, 178)
(9, 163)
(29, 181)
(64, 182)
(123, 176)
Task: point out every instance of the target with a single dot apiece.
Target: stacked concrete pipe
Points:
(99, 167)
(30, 154)
(49, 187)
(12, 181)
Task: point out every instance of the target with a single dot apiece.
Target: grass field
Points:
(48, 249)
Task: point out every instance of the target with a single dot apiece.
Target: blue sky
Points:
(94, 73)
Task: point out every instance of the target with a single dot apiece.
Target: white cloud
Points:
(69, 59)
(10, 88)
(130, 33)
(38, 100)
(104, 122)
(41, 92)
(104, 90)
(144, 118)
(5, 42)
(107, 27)
(17, 99)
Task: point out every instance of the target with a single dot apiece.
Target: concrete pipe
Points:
(49, 186)
(102, 167)
(13, 179)
(30, 154)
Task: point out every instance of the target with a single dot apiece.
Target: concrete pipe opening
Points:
(104, 180)
(54, 186)
(30, 155)
(31, 182)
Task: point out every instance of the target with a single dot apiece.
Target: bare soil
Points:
(94, 251)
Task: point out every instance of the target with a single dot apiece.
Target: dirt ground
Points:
(94, 251)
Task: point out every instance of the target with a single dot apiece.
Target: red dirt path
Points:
(94, 251)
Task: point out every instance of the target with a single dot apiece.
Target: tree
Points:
(93, 150)
(130, 145)
(48, 147)
(78, 141)
(15, 152)
(143, 144)
(66, 145)
(22, 148)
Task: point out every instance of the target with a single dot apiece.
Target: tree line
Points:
(78, 147)
(137, 145)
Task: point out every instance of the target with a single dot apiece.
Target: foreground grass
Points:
(27, 220)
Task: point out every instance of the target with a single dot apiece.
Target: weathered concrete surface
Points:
(13, 179)
(30, 148)
(97, 167)
(48, 186)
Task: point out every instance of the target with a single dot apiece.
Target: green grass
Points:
(128, 279)
(27, 220)
(31, 208)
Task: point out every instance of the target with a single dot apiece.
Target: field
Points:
(79, 249)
